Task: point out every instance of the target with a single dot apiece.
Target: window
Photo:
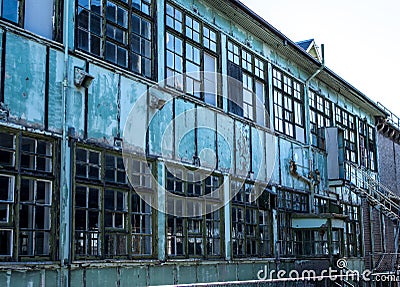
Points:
(352, 230)
(311, 242)
(6, 197)
(191, 48)
(118, 31)
(193, 224)
(288, 105)
(346, 121)
(251, 221)
(41, 17)
(321, 205)
(246, 90)
(141, 218)
(288, 202)
(285, 235)
(111, 220)
(366, 145)
(371, 148)
(26, 186)
(35, 217)
(36, 155)
(7, 149)
(293, 201)
(320, 117)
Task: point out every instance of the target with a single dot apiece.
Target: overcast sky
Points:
(361, 37)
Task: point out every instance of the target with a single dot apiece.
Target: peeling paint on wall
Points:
(242, 149)
(102, 105)
(25, 76)
(206, 138)
(185, 117)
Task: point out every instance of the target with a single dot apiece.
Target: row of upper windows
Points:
(123, 32)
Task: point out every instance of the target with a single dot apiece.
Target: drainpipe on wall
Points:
(65, 197)
(307, 120)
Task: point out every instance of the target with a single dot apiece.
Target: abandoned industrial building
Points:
(172, 142)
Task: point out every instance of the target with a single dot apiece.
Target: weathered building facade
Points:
(105, 117)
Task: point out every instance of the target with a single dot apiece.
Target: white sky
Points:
(361, 37)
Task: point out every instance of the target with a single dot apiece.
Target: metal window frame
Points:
(104, 38)
(253, 74)
(102, 185)
(243, 202)
(276, 72)
(17, 173)
(185, 236)
(199, 45)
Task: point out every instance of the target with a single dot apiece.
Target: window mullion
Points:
(104, 29)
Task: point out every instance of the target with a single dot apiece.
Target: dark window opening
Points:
(111, 220)
(192, 235)
(251, 221)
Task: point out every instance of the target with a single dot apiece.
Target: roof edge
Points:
(291, 43)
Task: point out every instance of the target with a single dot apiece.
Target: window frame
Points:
(127, 232)
(203, 45)
(255, 70)
(287, 199)
(345, 120)
(33, 202)
(184, 185)
(288, 98)
(20, 21)
(245, 204)
(321, 116)
(147, 44)
(315, 238)
(366, 145)
(353, 231)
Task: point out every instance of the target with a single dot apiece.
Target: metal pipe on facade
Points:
(64, 246)
(307, 115)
